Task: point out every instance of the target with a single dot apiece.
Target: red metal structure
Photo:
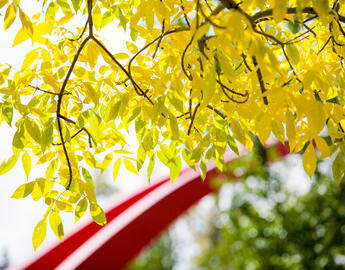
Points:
(132, 223)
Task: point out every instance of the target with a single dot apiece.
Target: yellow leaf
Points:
(63, 206)
(92, 54)
(30, 58)
(3, 2)
(278, 130)
(125, 152)
(80, 209)
(39, 233)
(56, 224)
(26, 23)
(292, 53)
(129, 166)
(49, 79)
(209, 85)
(131, 47)
(121, 56)
(322, 9)
(10, 15)
(279, 10)
(26, 161)
(290, 125)
(263, 127)
(91, 93)
(106, 161)
(8, 165)
(310, 160)
(116, 169)
(23, 190)
(20, 37)
(322, 146)
(97, 214)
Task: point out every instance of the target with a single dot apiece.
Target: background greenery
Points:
(267, 226)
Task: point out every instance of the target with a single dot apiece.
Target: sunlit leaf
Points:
(56, 224)
(39, 233)
(309, 160)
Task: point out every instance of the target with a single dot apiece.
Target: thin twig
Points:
(193, 118)
(260, 79)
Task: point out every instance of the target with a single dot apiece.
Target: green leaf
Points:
(106, 161)
(80, 209)
(52, 9)
(87, 177)
(338, 168)
(116, 168)
(76, 4)
(174, 127)
(141, 156)
(134, 34)
(107, 18)
(292, 53)
(33, 129)
(26, 161)
(233, 145)
(23, 190)
(7, 111)
(47, 137)
(6, 166)
(175, 168)
(51, 169)
(92, 93)
(97, 214)
(56, 224)
(203, 169)
(39, 233)
(151, 166)
(123, 20)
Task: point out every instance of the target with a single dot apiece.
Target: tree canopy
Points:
(210, 74)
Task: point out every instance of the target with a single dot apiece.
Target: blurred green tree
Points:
(269, 226)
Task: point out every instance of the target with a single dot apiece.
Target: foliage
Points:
(210, 73)
(296, 232)
(293, 232)
(156, 257)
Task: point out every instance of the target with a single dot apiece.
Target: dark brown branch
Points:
(135, 85)
(216, 111)
(193, 118)
(324, 45)
(159, 40)
(58, 110)
(184, 14)
(46, 91)
(82, 129)
(290, 64)
(260, 79)
(90, 18)
(82, 32)
(189, 76)
(208, 19)
(225, 88)
(291, 10)
(245, 62)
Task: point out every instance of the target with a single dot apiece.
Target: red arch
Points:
(132, 224)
